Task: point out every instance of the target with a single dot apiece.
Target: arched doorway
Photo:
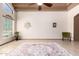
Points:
(76, 27)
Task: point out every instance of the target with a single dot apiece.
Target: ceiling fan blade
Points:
(48, 4)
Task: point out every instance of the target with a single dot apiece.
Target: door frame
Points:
(74, 25)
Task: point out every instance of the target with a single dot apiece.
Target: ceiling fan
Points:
(40, 6)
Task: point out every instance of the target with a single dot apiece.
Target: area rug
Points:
(53, 49)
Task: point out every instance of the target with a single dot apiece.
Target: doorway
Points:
(76, 28)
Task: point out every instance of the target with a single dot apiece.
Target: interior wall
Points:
(71, 13)
(41, 24)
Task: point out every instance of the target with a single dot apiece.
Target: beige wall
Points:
(41, 24)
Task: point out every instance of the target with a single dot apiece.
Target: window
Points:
(8, 20)
(7, 8)
(7, 27)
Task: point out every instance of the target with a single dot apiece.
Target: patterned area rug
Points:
(39, 50)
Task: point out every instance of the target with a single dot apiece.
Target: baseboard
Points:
(46, 38)
(41, 39)
(6, 42)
